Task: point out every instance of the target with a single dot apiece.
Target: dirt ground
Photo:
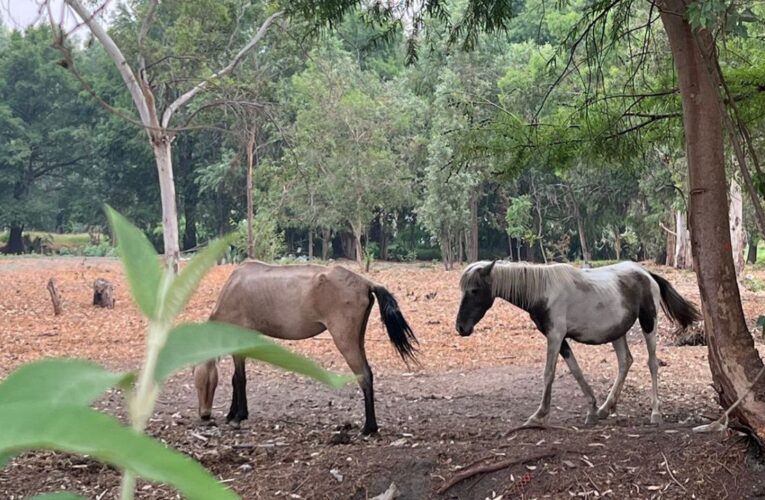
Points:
(456, 410)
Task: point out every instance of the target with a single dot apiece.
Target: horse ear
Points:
(485, 271)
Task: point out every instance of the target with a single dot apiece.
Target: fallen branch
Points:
(486, 468)
(722, 423)
(536, 427)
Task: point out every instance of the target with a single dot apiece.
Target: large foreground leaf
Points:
(189, 344)
(77, 429)
(56, 381)
(186, 282)
(140, 261)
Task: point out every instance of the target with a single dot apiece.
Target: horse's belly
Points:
(598, 333)
(293, 330)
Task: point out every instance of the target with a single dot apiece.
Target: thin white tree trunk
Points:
(163, 157)
(682, 241)
(250, 204)
(737, 235)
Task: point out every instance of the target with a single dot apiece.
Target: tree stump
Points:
(55, 297)
(103, 293)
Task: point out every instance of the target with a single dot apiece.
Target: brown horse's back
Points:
(288, 302)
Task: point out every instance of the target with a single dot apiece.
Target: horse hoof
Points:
(235, 424)
(591, 419)
(603, 412)
(535, 422)
(656, 418)
(368, 431)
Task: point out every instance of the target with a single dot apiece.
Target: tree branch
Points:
(115, 54)
(186, 97)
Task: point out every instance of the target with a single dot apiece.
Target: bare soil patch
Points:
(454, 410)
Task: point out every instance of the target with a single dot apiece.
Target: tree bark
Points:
(250, 208)
(16, 239)
(310, 244)
(163, 155)
(586, 256)
(190, 191)
(752, 253)
(326, 236)
(683, 247)
(671, 243)
(472, 249)
(733, 360)
(737, 236)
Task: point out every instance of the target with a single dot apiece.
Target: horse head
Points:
(477, 297)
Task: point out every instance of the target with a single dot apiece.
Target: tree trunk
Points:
(16, 239)
(737, 236)
(671, 243)
(586, 256)
(733, 360)
(310, 244)
(326, 236)
(357, 247)
(618, 243)
(383, 237)
(683, 247)
(163, 156)
(752, 253)
(190, 191)
(472, 249)
(250, 207)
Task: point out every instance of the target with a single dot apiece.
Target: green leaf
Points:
(57, 381)
(189, 344)
(140, 261)
(81, 430)
(59, 495)
(186, 282)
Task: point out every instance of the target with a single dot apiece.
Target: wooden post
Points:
(54, 297)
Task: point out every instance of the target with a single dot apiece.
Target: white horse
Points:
(591, 306)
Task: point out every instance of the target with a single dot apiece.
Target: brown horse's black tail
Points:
(399, 331)
(676, 307)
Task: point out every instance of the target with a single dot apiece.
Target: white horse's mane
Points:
(521, 283)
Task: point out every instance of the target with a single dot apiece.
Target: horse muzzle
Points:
(464, 331)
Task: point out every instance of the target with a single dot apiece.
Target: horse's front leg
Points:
(554, 341)
(238, 411)
(573, 367)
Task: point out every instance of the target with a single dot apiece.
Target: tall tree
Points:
(138, 80)
(42, 115)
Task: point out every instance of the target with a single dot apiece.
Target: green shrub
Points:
(268, 240)
(103, 249)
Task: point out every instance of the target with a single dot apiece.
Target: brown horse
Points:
(300, 302)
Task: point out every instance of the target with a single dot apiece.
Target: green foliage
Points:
(140, 261)
(268, 239)
(194, 343)
(46, 403)
(520, 223)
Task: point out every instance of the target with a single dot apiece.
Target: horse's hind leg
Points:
(238, 411)
(573, 366)
(624, 359)
(349, 339)
(653, 366)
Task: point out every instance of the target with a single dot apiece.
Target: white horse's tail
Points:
(677, 308)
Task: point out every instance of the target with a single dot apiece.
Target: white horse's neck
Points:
(524, 285)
